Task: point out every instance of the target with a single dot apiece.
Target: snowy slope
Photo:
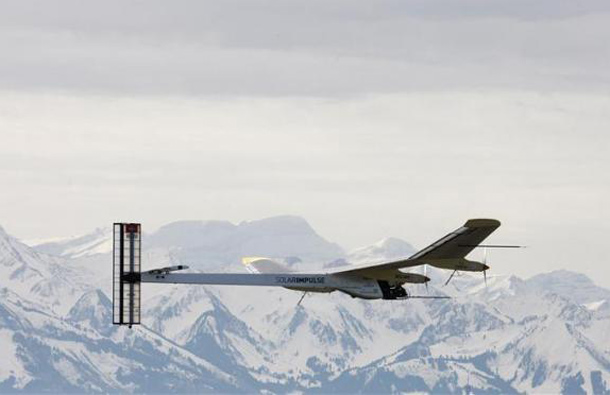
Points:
(97, 242)
(218, 245)
(573, 286)
(36, 276)
(43, 352)
(469, 346)
(385, 250)
(511, 335)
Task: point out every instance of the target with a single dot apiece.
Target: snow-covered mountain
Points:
(97, 242)
(43, 352)
(550, 333)
(388, 249)
(217, 245)
(573, 286)
(38, 277)
(524, 342)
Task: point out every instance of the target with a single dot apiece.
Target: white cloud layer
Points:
(370, 119)
(409, 165)
(313, 48)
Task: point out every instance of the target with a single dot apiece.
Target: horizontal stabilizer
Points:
(168, 269)
(126, 274)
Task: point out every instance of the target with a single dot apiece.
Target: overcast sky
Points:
(368, 118)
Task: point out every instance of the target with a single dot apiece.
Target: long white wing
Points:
(456, 245)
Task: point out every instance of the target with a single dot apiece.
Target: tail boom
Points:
(310, 281)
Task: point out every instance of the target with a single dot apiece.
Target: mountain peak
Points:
(93, 308)
(6, 237)
(562, 275)
(212, 245)
(280, 224)
(98, 241)
(394, 244)
(574, 286)
(189, 234)
(388, 248)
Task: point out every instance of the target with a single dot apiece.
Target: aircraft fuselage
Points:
(355, 286)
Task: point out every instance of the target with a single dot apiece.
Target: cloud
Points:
(370, 119)
(318, 48)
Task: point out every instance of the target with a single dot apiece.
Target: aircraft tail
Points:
(126, 274)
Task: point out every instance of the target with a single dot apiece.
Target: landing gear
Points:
(392, 292)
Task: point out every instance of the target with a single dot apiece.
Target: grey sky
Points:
(370, 119)
(313, 48)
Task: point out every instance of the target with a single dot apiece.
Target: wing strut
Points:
(302, 297)
(450, 277)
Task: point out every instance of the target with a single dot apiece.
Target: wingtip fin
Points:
(482, 223)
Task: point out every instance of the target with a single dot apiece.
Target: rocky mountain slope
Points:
(550, 333)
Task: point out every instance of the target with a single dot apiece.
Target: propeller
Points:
(425, 275)
(485, 264)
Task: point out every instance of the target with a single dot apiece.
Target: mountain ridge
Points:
(513, 335)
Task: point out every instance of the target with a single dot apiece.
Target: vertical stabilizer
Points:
(126, 273)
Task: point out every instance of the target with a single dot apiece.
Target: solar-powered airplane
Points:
(369, 281)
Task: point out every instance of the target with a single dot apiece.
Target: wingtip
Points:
(482, 223)
(248, 260)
